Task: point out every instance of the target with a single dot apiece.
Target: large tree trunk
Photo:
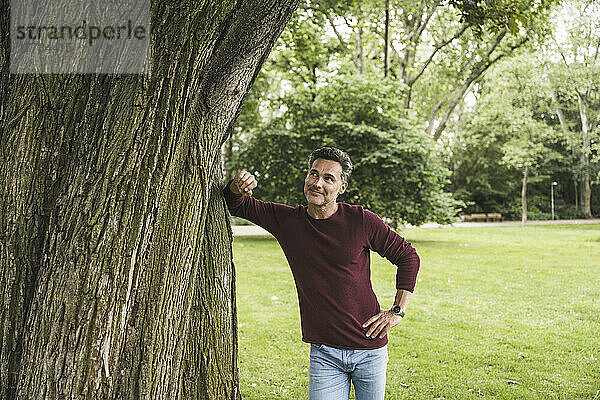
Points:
(117, 279)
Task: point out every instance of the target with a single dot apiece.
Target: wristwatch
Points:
(397, 310)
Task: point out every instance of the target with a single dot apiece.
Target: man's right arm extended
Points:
(238, 196)
(243, 183)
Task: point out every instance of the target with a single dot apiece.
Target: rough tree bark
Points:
(116, 270)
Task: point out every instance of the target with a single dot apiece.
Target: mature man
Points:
(327, 245)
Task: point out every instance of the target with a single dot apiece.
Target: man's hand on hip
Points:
(243, 183)
(381, 323)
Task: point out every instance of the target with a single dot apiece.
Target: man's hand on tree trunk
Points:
(243, 183)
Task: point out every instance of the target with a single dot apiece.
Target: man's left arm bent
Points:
(393, 247)
(381, 323)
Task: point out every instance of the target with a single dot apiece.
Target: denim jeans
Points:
(331, 370)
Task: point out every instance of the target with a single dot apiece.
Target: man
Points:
(327, 245)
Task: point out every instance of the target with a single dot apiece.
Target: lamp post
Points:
(552, 196)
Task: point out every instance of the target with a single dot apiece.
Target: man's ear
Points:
(343, 188)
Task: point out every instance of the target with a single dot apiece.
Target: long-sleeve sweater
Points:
(330, 263)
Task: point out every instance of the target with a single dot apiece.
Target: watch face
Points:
(398, 311)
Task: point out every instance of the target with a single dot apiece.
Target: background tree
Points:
(439, 54)
(435, 49)
(479, 177)
(573, 60)
(512, 109)
(430, 39)
(525, 148)
(398, 173)
(117, 279)
(517, 98)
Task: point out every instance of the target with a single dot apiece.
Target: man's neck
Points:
(322, 212)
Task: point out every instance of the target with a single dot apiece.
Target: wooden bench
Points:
(474, 217)
(482, 216)
(494, 216)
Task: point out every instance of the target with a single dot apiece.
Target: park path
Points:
(250, 230)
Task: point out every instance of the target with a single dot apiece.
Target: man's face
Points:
(323, 183)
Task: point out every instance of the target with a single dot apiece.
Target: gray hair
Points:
(333, 154)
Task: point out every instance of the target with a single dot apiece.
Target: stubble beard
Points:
(312, 199)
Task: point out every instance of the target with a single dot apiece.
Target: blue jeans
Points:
(331, 370)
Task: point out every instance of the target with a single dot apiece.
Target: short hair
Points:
(333, 154)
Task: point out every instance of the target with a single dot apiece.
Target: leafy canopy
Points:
(397, 172)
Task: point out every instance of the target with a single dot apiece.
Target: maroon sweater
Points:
(330, 262)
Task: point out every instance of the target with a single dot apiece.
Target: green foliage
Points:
(433, 53)
(573, 69)
(397, 171)
(526, 146)
(510, 130)
(510, 15)
(480, 178)
(304, 51)
(490, 154)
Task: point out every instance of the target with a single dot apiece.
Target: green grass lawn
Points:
(498, 312)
